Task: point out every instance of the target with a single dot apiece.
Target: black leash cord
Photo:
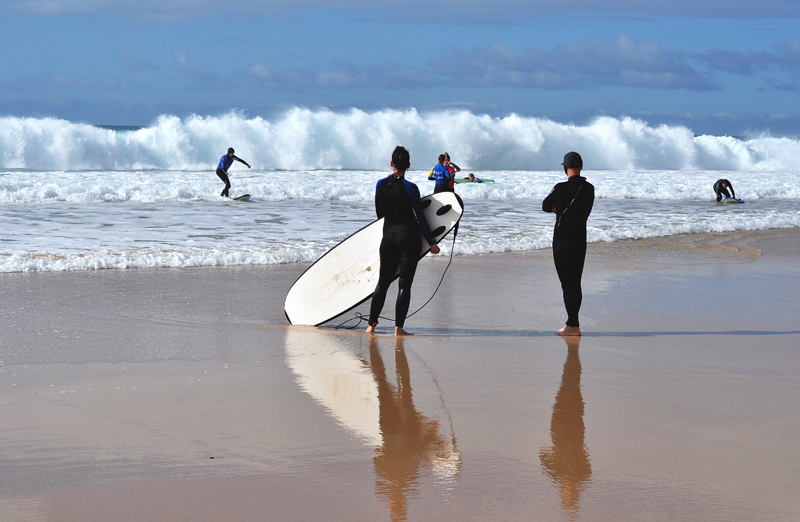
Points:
(360, 316)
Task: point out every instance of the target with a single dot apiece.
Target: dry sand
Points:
(182, 395)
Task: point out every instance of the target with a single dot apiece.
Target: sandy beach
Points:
(183, 394)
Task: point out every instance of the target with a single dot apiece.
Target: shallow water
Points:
(134, 219)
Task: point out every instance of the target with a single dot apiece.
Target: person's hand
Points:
(554, 209)
(248, 166)
(435, 249)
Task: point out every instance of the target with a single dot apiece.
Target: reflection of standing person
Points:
(225, 163)
(721, 187)
(397, 201)
(411, 440)
(572, 203)
(567, 461)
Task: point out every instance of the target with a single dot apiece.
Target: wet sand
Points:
(172, 395)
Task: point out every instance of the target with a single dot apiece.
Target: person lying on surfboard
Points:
(225, 163)
(721, 187)
(473, 179)
(397, 201)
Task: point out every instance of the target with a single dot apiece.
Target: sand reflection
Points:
(566, 462)
(359, 395)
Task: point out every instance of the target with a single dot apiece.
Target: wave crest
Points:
(304, 139)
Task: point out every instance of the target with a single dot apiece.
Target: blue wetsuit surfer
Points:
(441, 174)
(572, 203)
(225, 163)
(397, 201)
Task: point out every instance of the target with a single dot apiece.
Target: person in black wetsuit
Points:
(572, 203)
(721, 187)
(397, 201)
(225, 163)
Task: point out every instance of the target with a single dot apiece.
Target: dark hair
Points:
(441, 158)
(230, 150)
(401, 159)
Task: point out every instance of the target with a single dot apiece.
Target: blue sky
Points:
(721, 67)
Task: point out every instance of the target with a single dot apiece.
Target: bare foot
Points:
(569, 331)
(370, 329)
(399, 332)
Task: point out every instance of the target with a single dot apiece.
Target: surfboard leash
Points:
(360, 316)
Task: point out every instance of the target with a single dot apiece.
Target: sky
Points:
(718, 67)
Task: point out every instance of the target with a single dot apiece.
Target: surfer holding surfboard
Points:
(397, 201)
(225, 163)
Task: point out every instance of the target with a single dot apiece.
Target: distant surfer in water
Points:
(721, 187)
(397, 201)
(473, 179)
(452, 168)
(225, 163)
(441, 174)
(572, 203)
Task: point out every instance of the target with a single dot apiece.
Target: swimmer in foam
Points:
(572, 202)
(397, 201)
(721, 187)
(225, 163)
(473, 179)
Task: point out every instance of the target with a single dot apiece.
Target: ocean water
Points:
(78, 197)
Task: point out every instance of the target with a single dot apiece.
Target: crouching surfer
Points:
(721, 188)
(397, 201)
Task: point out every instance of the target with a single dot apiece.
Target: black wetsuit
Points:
(573, 200)
(719, 190)
(224, 177)
(398, 202)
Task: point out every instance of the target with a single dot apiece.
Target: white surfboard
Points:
(346, 276)
(732, 200)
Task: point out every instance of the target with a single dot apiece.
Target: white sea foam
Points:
(171, 186)
(303, 139)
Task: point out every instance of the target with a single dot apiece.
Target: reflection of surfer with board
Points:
(225, 163)
(397, 201)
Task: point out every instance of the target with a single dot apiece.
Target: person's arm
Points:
(588, 199)
(378, 210)
(240, 160)
(733, 194)
(458, 169)
(549, 203)
(416, 204)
